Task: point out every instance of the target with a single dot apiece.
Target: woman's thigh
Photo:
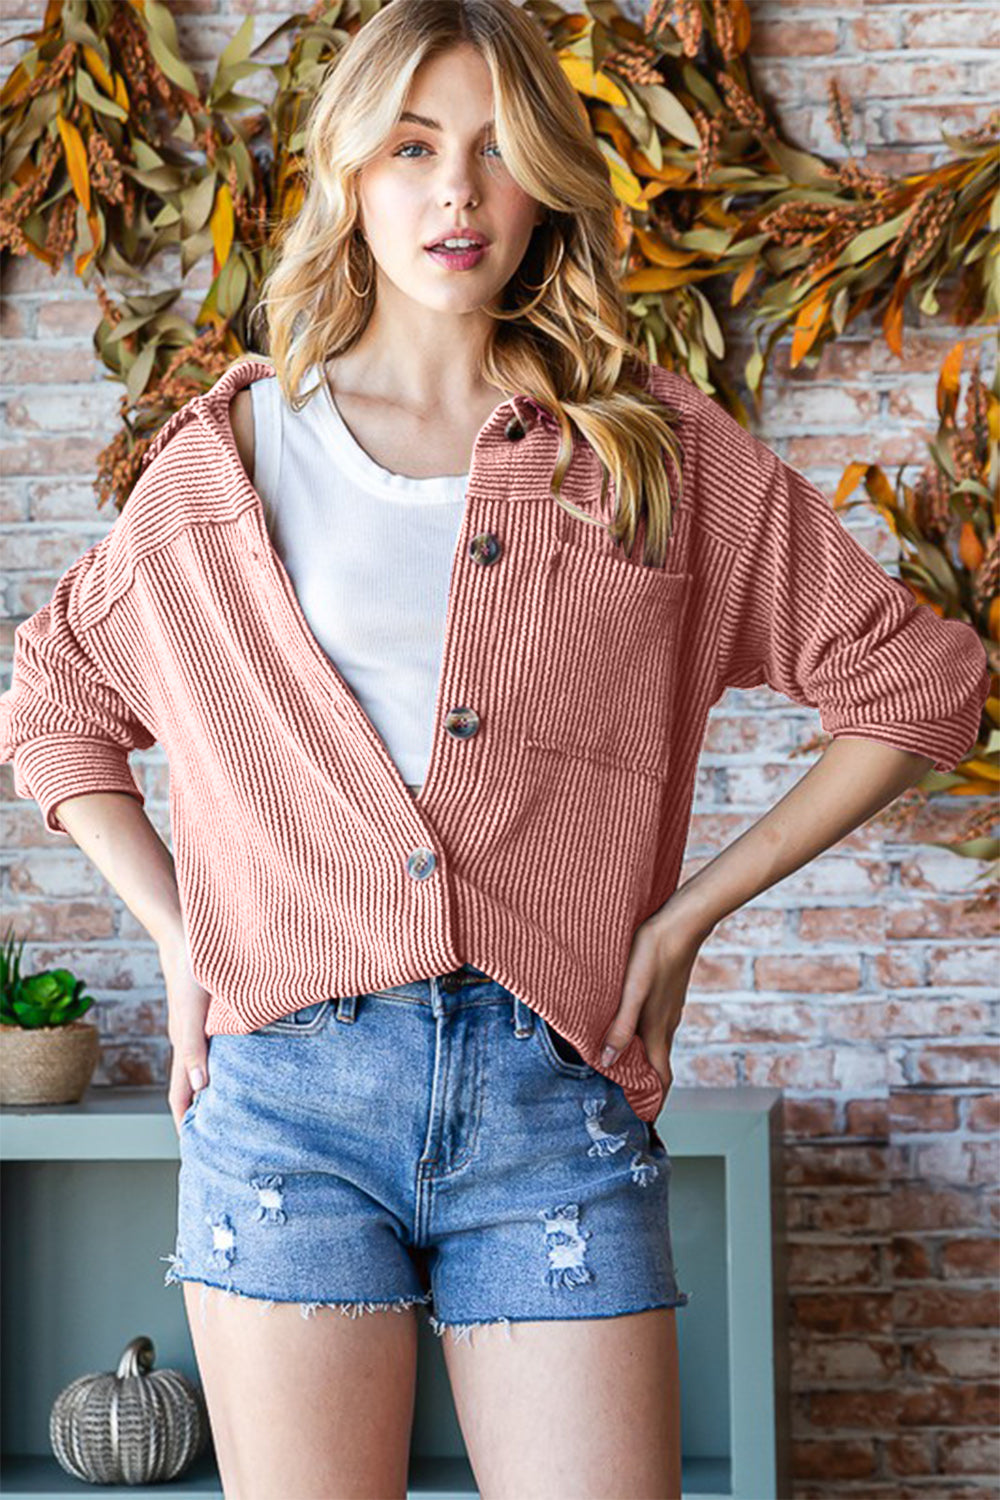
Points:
(299, 1287)
(319, 1408)
(584, 1407)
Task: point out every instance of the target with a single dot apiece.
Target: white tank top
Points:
(369, 553)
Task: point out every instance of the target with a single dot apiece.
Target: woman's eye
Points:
(419, 146)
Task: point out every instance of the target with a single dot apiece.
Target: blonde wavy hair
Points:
(561, 319)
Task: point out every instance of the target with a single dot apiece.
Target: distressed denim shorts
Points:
(436, 1143)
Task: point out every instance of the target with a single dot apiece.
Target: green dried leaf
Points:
(163, 44)
(194, 247)
(928, 303)
(669, 113)
(840, 308)
(714, 242)
(870, 240)
(231, 286)
(800, 166)
(145, 156)
(937, 567)
(139, 372)
(234, 104)
(701, 89)
(88, 92)
(197, 203)
(237, 50)
(714, 340)
(159, 179)
(941, 453)
(981, 848)
(168, 215)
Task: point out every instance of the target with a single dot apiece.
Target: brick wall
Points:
(863, 985)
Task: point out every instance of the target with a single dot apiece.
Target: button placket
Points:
(484, 548)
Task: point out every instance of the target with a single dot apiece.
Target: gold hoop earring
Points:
(350, 283)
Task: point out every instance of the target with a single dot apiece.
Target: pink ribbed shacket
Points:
(554, 813)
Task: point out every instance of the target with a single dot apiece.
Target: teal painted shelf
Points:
(88, 1203)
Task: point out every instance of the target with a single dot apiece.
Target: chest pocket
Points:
(607, 633)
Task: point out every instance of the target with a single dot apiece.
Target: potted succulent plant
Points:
(47, 1054)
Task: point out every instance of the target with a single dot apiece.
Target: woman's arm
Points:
(114, 832)
(851, 781)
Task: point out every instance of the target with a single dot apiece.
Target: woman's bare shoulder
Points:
(241, 417)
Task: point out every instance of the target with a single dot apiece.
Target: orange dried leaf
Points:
(667, 174)
(892, 319)
(948, 379)
(983, 768)
(608, 122)
(661, 279)
(660, 253)
(17, 81)
(222, 224)
(970, 548)
(879, 488)
(97, 69)
(808, 323)
(849, 480)
(742, 24)
(76, 160)
(587, 80)
(743, 282)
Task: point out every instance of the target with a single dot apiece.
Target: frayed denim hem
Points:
(351, 1309)
(463, 1331)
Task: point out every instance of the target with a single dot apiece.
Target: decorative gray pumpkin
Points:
(129, 1426)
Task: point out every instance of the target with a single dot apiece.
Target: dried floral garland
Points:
(947, 523)
(115, 151)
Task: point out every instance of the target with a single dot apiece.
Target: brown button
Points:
(485, 548)
(461, 723)
(514, 429)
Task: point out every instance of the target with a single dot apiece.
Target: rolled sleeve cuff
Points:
(946, 741)
(59, 766)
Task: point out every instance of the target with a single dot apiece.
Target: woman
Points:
(439, 1131)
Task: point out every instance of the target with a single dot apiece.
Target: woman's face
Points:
(440, 171)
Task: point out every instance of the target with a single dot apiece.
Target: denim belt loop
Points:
(347, 1007)
(524, 1018)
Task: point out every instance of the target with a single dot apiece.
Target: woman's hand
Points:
(663, 953)
(187, 1009)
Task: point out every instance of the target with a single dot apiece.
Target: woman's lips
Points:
(457, 260)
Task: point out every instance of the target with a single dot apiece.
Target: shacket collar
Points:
(215, 402)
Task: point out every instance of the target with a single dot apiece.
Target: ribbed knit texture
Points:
(560, 824)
